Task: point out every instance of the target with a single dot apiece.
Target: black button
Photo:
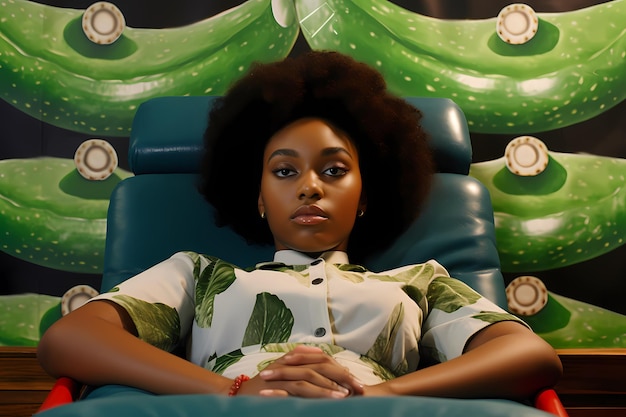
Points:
(319, 332)
(316, 262)
(317, 281)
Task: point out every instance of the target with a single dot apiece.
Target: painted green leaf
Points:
(299, 272)
(491, 317)
(352, 268)
(401, 368)
(271, 321)
(449, 294)
(330, 349)
(418, 276)
(224, 361)
(196, 259)
(383, 278)
(214, 279)
(288, 347)
(157, 323)
(302, 278)
(281, 267)
(378, 370)
(414, 293)
(382, 350)
(279, 347)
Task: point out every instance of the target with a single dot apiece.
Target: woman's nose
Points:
(310, 187)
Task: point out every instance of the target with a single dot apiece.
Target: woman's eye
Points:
(336, 171)
(284, 172)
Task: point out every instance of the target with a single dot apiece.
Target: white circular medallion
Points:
(517, 23)
(526, 295)
(95, 159)
(76, 297)
(103, 23)
(526, 156)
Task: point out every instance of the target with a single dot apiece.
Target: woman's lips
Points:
(309, 215)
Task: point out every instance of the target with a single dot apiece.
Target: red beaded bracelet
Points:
(237, 384)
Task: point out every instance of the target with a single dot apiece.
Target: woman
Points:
(314, 156)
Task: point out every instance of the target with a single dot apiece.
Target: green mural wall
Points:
(560, 78)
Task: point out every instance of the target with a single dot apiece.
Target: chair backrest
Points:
(159, 211)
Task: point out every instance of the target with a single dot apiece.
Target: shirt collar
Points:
(292, 257)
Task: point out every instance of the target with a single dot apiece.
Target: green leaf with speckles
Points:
(271, 321)
(213, 280)
(156, 323)
(449, 295)
(53, 217)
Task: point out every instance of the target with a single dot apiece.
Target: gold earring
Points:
(361, 213)
(263, 215)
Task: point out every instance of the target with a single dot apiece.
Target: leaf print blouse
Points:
(379, 325)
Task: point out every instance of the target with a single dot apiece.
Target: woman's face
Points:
(311, 189)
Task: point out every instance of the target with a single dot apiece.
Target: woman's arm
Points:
(97, 344)
(503, 360)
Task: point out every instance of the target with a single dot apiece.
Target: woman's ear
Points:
(261, 206)
(363, 203)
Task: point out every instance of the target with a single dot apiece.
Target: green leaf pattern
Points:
(377, 369)
(491, 317)
(382, 350)
(449, 294)
(220, 364)
(156, 323)
(214, 279)
(271, 321)
(288, 347)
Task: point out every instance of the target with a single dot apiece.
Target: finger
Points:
(326, 366)
(332, 373)
(303, 357)
(341, 376)
(305, 379)
(302, 389)
(273, 393)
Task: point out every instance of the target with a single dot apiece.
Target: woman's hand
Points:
(378, 390)
(503, 360)
(304, 372)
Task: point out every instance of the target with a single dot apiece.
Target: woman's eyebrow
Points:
(293, 153)
(336, 150)
(283, 152)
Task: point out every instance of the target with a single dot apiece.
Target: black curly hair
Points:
(395, 160)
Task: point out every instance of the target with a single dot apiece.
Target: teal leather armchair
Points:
(159, 212)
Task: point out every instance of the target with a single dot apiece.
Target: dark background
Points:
(601, 281)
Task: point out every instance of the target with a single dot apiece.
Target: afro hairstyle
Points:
(395, 159)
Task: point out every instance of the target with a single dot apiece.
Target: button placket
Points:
(319, 308)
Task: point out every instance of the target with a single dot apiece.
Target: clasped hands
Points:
(307, 372)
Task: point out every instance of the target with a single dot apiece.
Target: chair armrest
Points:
(65, 390)
(548, 401)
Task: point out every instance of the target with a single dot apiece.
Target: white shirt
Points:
(376, 324)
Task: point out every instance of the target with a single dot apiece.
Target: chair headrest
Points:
(167, 134)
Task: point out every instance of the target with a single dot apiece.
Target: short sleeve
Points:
(455, 313)
(159, 300)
